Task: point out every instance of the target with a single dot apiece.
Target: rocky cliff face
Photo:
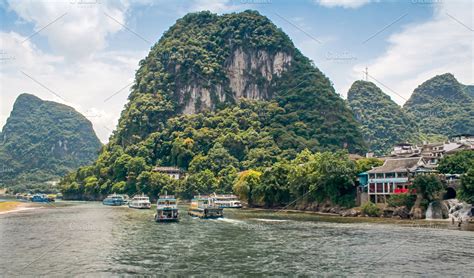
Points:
(249, 75)
(209, 62)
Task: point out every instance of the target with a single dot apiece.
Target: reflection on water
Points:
(91, 239)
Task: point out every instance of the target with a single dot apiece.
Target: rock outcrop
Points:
(249, 75)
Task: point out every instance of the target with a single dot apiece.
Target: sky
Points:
(84, 53)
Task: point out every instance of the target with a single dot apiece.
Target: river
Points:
(89, 239)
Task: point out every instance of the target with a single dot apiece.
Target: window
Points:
(402, 175)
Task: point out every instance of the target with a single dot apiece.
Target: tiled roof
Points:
(398, 165)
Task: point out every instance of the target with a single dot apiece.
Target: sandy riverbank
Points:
(14, 206)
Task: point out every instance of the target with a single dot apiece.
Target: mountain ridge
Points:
(383, 122)
(42, 140)
(442, 106)
(196, 82)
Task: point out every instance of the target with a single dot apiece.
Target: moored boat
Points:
(114, 200)
(166, 209)
(205, 207)
(140, 202)
(226, 201)
(41, 198)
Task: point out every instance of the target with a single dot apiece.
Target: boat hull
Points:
(207, 213)
(167, 215)
(166, 219)
(139, 207)
(113, 203)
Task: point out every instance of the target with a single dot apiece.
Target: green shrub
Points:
(371, 209)
(399, 200)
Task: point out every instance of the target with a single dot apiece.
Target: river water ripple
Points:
(88, 239)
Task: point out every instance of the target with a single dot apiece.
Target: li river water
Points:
(89, 239)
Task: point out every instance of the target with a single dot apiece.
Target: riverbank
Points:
(338, 218)
(14, 206)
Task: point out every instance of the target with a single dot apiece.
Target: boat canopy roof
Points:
(166, 197)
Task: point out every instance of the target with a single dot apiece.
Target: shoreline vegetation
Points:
(295, 214)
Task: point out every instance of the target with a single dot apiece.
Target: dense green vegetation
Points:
(466, 190)
(371, 209)
(299, 111)
(428, 186)
(461, 163)
(309, 178)
(365, 164)
(195, 52)
(470, 90)
(41, 141)
(399, 200)
(383, 122)
(442, 105)
(213, 147)
(457, 163)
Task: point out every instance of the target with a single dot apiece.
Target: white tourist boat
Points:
(226, 201)
(140, 202)
(166, 209)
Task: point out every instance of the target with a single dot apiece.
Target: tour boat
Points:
(226, 201)
(205, 207)
(41, 198)
(140, 202)
(114, 200)
(166, 209)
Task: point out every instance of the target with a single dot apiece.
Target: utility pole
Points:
(366, 72)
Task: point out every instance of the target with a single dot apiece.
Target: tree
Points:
(246, 184)
(91, 185)
(273, 188)
(120, 167)
(226, 179)
(365, 164)
(458, 163)
(337, 177)
(466, 190)
(200, 183)
(220, 158)
(182, 152)
(427, 185)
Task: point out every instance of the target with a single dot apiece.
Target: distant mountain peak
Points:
(43, 140)
(383, 123)
(442, 105)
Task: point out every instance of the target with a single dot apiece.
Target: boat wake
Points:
(269, 220)
(228, 220)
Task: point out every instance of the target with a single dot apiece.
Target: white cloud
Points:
(352, 4)
(423, 50)
(77, 71)
(84, 86)
(74, 28)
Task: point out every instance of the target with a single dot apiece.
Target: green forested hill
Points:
(438, 108)
(43, 140)
(441, 105)
(384, 124)
(215, 96)
(470, 90)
